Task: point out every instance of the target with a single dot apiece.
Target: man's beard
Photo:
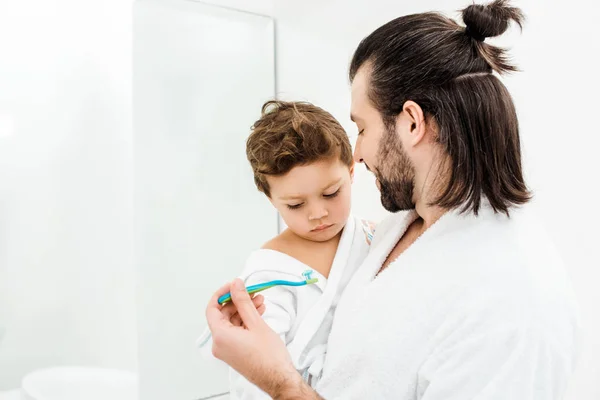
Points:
(395, 174)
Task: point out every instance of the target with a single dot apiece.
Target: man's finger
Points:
(258, 300)
(214, 316)
(236, 320)
(214, 300)
(261, 309)
(228, 310)
(245, 307)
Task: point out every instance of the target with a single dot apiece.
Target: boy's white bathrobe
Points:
(477, 308)
(302, 315)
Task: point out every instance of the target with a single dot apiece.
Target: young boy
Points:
(302, 161)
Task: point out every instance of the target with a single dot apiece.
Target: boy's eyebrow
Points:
(298, 197)
(291, 197)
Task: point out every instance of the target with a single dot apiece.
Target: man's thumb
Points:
(245, 308)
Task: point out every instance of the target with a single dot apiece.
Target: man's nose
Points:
(357, 156)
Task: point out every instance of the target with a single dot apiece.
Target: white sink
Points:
(79, 383)
(11, 395)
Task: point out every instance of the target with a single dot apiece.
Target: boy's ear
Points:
(352, 172)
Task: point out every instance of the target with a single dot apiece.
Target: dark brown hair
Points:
(448, 70)
(289, 134)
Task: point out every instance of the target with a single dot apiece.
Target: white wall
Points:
(261, 7)
(556, 96)
(67, 290)
(558, 99)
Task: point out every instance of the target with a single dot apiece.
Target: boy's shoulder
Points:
(278, 258)
(314, 255)
(288, 244)
(283, 243)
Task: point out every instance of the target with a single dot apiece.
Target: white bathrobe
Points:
(302, 315)
(477, 308)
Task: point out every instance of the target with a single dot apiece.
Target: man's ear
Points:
(416, 120)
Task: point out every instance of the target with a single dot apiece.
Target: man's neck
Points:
(428, 213)
(430, 185)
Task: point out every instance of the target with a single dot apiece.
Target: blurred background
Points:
(124, 185)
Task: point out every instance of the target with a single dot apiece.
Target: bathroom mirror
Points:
(200, 76)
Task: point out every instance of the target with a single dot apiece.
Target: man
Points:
(461, 297)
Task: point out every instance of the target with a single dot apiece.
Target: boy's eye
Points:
(294, 206)
(329, 196)
(361, 132)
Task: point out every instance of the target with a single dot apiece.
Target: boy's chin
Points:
(323, 235)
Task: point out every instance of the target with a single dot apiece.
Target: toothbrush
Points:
(267, 285)
(205, 337)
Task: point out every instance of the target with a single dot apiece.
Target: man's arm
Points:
(253, 349)
(290, 386)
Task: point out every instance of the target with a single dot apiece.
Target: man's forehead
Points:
(361, 78)
(357, 104)
(359, 86)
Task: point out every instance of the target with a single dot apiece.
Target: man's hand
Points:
(244, 341)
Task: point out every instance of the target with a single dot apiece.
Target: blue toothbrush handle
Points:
(263, 286)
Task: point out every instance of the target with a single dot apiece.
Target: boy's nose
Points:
(318, 213)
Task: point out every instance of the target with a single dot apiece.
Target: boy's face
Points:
(314, 199)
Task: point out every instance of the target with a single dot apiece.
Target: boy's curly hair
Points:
(289, 134)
